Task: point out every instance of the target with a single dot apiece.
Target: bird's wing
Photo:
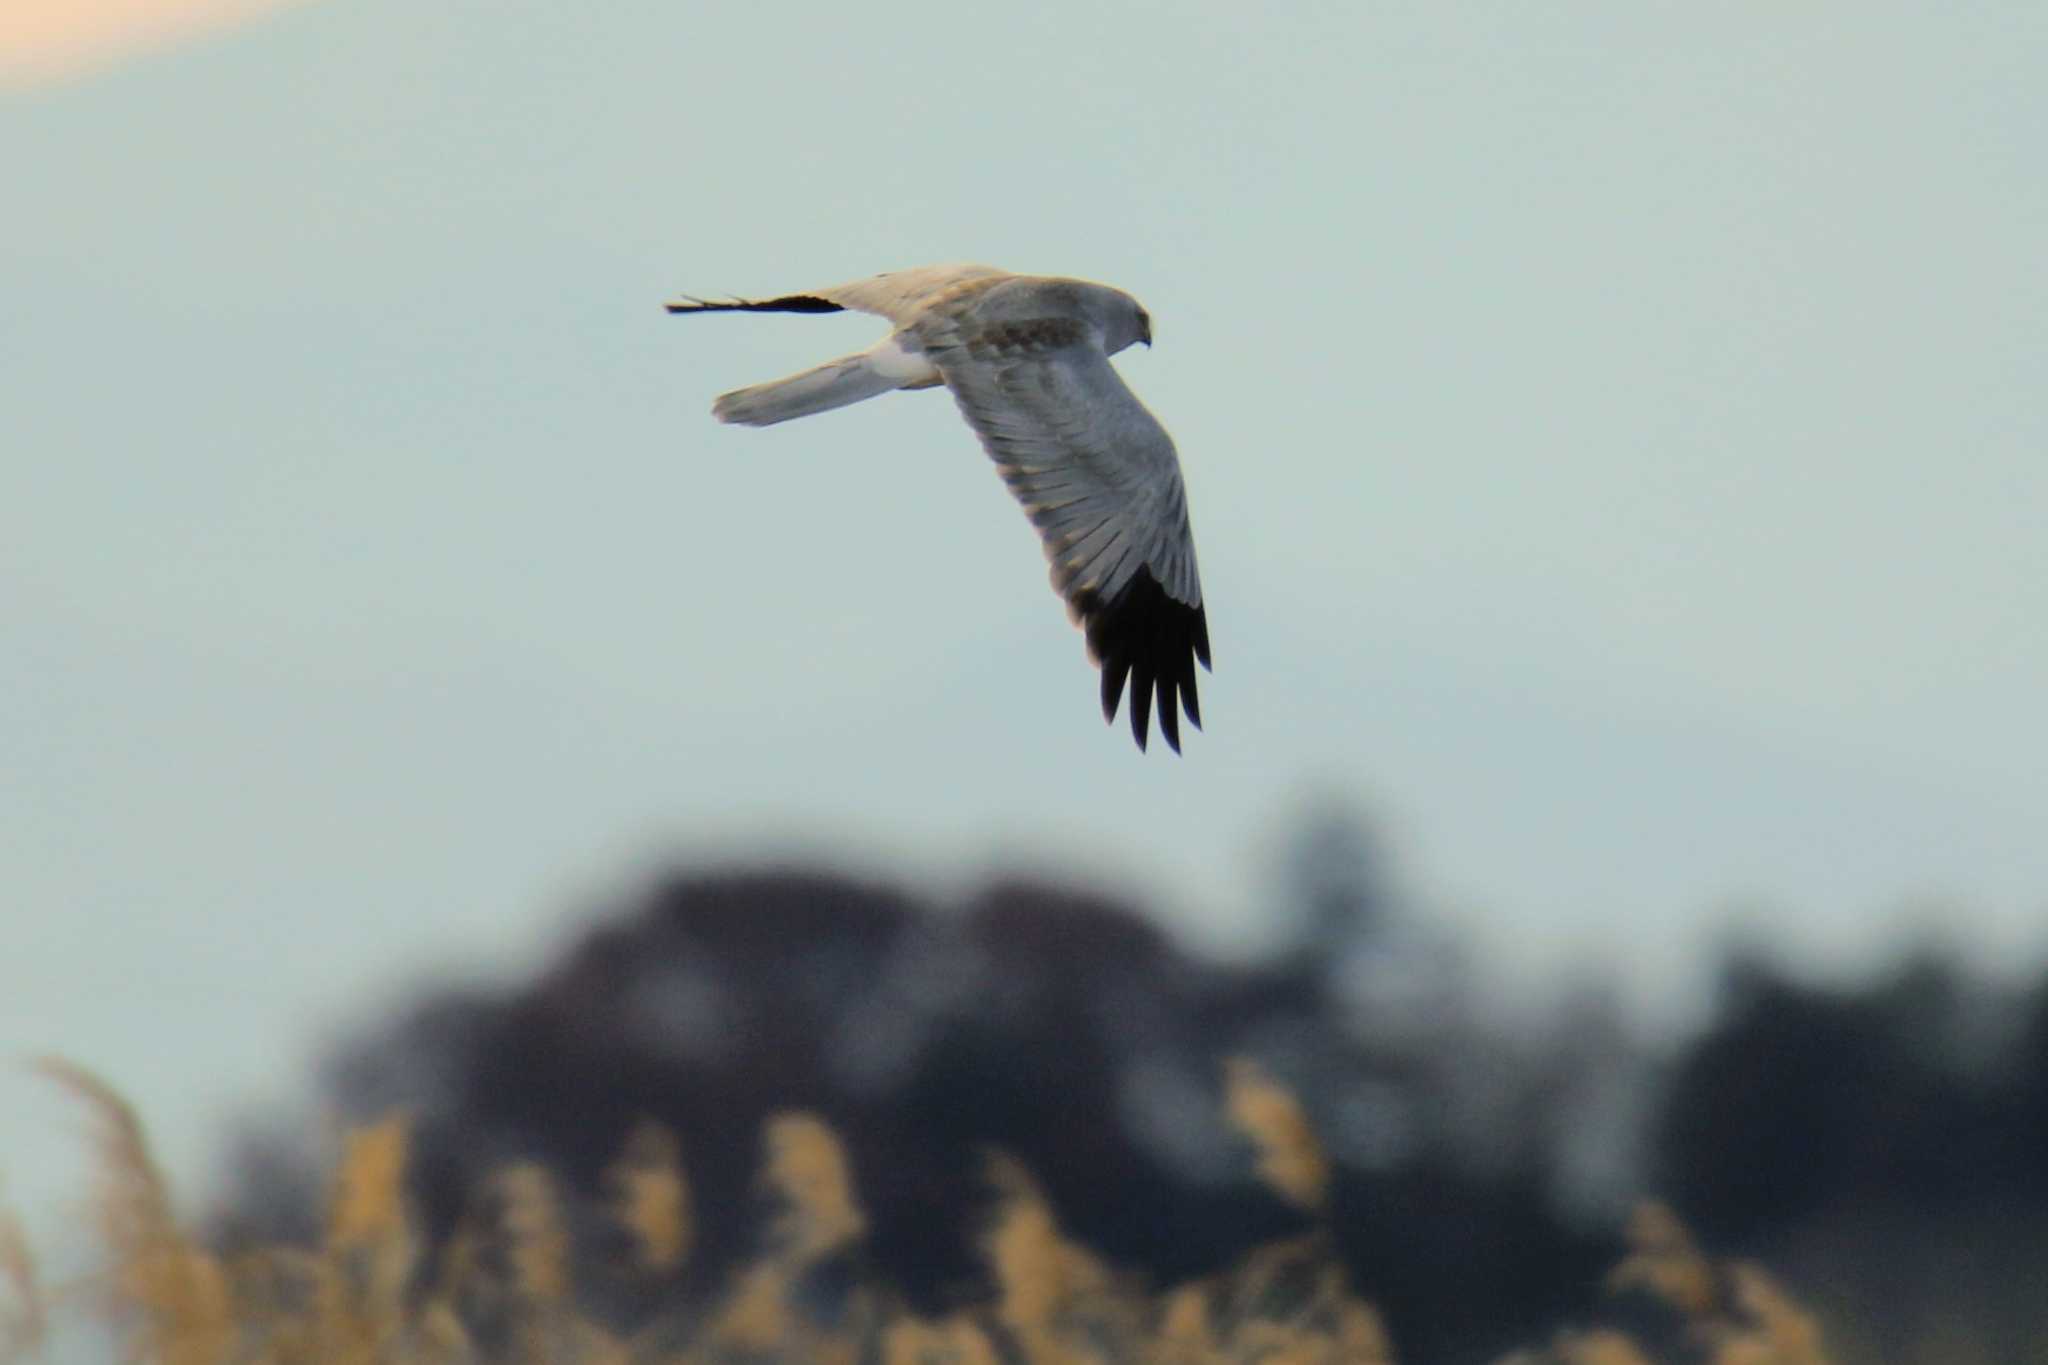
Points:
(1098, 477)
(900, 295)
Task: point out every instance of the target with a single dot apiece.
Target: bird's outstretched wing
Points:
(1098, 477)
(899, 295)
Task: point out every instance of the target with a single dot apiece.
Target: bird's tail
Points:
(834, 384)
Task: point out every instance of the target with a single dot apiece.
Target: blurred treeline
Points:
(1882, 1146)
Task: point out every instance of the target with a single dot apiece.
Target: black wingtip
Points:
(788, 303)
(1153, 641)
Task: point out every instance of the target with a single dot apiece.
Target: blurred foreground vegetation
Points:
(1881, 1144)
(507, 1286)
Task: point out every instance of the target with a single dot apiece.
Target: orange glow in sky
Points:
(51, 40)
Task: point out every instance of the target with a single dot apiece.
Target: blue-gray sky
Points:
(1614, 436)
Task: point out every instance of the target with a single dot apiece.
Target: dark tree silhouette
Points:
(1060, 1027)
(1883, 1144)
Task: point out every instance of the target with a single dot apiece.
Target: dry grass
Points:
(651, 1199)
(1291, 1157)
(808, 1171)
(1732, 1313)
(504, 1286)
(23, 1316)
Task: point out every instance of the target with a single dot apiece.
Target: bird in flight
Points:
(1027, 359)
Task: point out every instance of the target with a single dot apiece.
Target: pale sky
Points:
(1614, 438)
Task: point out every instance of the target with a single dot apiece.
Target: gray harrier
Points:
(1027, 359)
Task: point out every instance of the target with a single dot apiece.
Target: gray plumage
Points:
(1027, 360)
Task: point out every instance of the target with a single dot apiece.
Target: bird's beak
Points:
(1146, 336)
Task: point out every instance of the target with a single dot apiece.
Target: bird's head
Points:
(1126, 322)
